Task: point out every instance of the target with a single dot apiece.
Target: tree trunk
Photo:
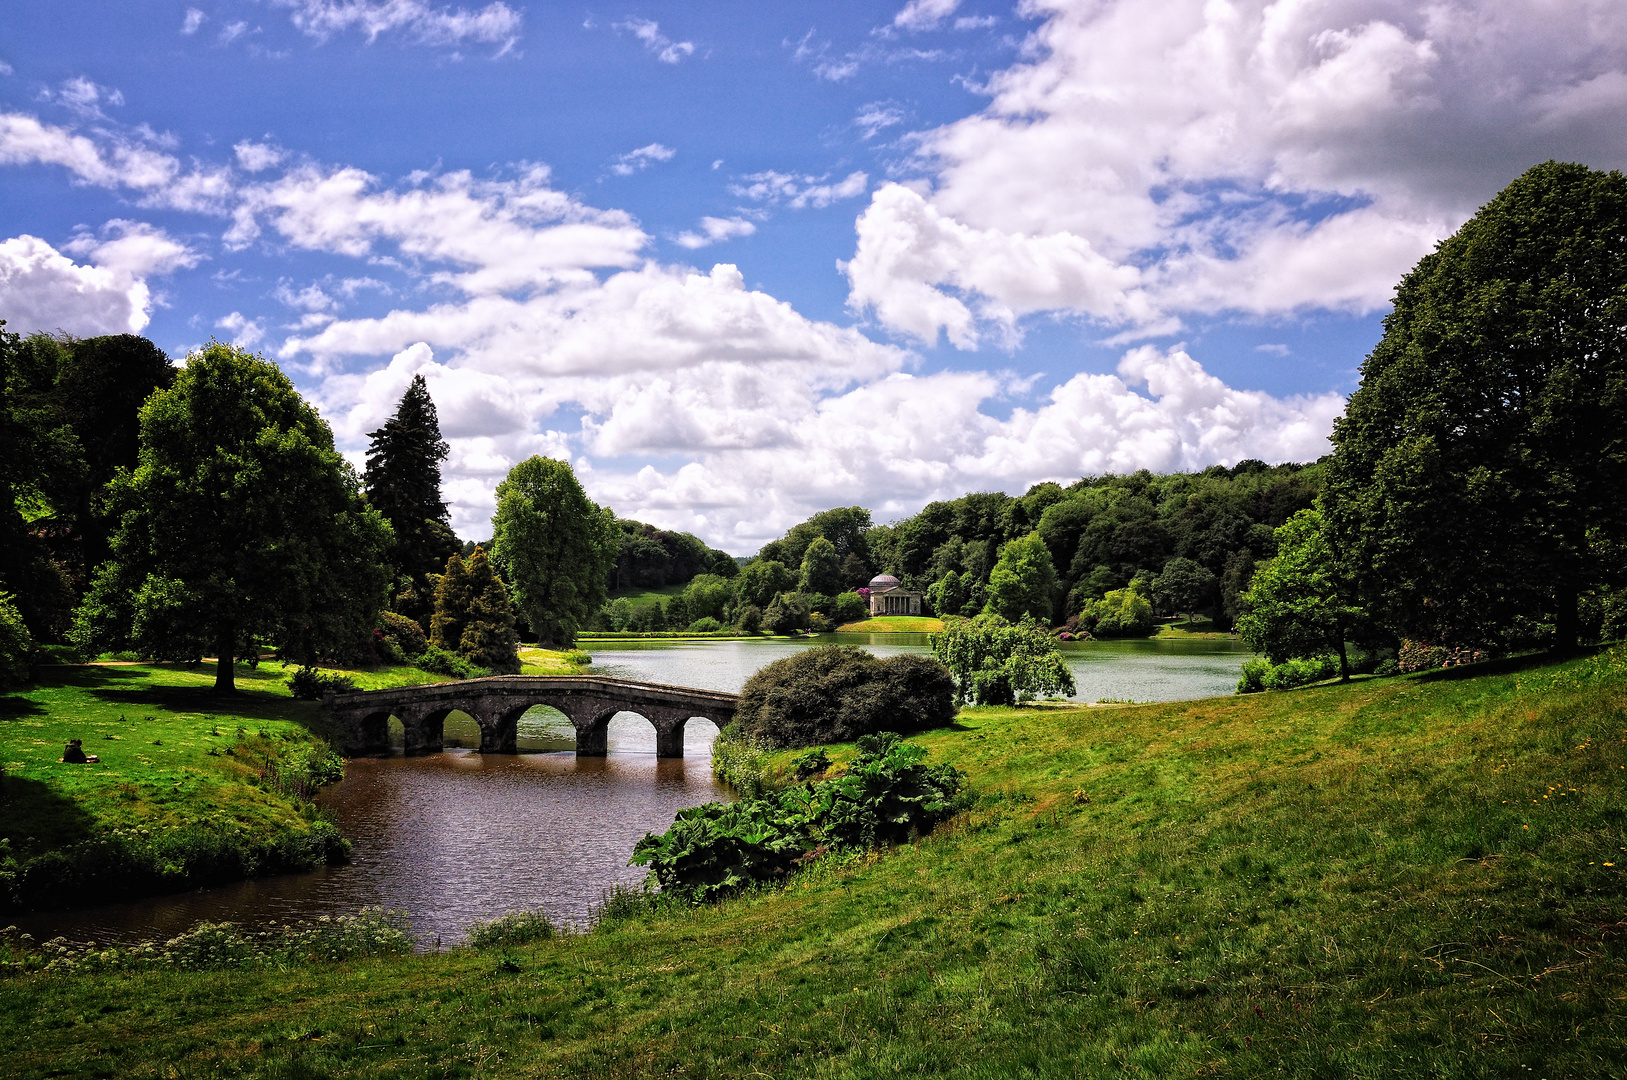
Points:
(225, 646)
(1567, 622)
(1344, 661)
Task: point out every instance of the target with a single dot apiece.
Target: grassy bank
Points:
(192, 788)
(893, 624)
(1417, 877)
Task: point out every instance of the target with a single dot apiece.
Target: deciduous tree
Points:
(1477, 474)
(555, 546)
(1023, 582)
(1300, 604)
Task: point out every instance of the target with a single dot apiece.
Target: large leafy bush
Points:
(839, 692)
(888, 794)
(16, 645)
(995, 663)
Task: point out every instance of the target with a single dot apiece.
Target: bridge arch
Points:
(497, 704)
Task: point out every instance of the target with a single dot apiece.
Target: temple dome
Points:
(883, 582)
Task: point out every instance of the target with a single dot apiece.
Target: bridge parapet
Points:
(498, 702)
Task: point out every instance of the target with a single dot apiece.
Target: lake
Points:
(459, 836)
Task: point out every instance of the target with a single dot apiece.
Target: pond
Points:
(1151, 669)
(459, 836)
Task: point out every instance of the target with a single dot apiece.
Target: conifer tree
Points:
(453, 597)
(404, 484)
(488, 633)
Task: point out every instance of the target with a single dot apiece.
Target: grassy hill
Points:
(1401, 878)
(893, 624)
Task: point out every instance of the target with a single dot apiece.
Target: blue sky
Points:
(740, 262)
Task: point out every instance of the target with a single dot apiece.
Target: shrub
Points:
(850, 607)
(577, 657)
(16, 645)
(1422, 656)
(442, 662)
(1261, 674)
(1252, 681)
(740, 763)
(837, 693)
(515, 928)
(404, 633)
(818, 624)
(309, 684)
(888, 794)
(750, 619)
(706, 625)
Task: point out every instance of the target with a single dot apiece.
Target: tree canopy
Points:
(1023, 582)
(403, 482)
(555, 547)
(239, 522)
(996, 663)
(1300, 604)
(1475, 490)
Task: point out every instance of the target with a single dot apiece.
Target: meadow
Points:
(1404, 877)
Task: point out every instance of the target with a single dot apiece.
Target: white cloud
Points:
(649, 32)
(43, 289)
(714, 230)
(232, 31)
(192, 20)
(245, 333)
(796, 191)
(975, 22)
(642, 158)
(113, 161)
(876, 116)
(924, 14)
(495, 24)
(499, 235)
(1258, 157)
(257, 157)
(84, 97)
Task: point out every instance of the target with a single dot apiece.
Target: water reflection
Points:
(455, 837)
(1152, 669)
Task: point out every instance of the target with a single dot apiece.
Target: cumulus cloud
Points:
(924, 14)
(244, 332)
(495, 24)
(41, 288)
(1256, 157)
(638, 160)
(113, 160)
(713, 230)
(257, 157)
(497, 235)
(798, 192)
(649, 32)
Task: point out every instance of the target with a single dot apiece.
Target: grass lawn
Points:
(1395, 878)
(639, 596)
(893, 624)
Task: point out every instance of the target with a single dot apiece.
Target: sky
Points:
(740, 262)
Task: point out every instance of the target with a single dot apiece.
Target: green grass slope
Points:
(1399, 878)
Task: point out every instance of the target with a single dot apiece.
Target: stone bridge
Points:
(498, 702)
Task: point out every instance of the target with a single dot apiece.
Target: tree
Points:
(239, 522)
(947, 595)
(488, 637)
(996, 663)
(1183, 585)
(556, 547)
(1475, 487)
(1300, 605)
(1023, 582)
(453, 597)
(821, 568)
(1121, 613)
(404, 484)
(16, 645)
(761, 581)
(788, 612)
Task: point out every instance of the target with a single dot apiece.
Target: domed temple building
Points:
(888, 597)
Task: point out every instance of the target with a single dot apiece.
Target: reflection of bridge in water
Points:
(497, 703)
